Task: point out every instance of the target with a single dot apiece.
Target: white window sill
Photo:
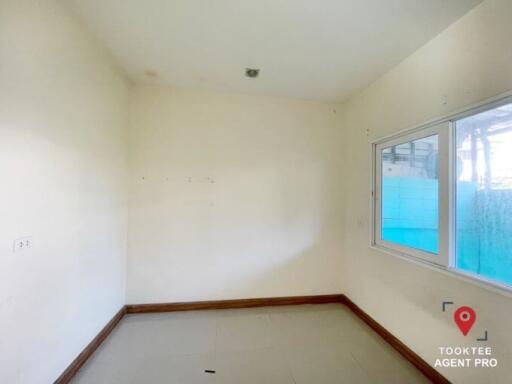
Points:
(481, 282)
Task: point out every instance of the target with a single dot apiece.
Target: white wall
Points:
(467, 63)
(232, 197)
(62, 171)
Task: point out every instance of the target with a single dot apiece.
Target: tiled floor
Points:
(306, 344)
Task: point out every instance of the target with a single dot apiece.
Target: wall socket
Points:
(23, 243)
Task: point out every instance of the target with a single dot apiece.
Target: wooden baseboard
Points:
(424, 367)
(404, 350)
(80, 360)
(230, 304)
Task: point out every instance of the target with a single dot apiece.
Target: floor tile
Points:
(266, 365)
(290, 345)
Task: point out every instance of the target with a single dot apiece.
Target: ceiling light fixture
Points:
(252, 72)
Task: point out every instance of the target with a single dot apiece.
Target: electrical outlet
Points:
(22, 244)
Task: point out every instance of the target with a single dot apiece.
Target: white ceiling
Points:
(308, 49)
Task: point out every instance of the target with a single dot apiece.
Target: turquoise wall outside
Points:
(483, 223)
(484, 234)
(410, 212)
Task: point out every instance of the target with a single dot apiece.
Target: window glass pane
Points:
(484, 194)
(410, 194)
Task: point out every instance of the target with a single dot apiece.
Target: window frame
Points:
(445, 261)
(442, 132)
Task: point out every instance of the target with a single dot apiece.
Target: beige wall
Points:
(467, 63)
(62, 171)
(232, 197)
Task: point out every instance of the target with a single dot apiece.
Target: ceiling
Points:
(308, 49)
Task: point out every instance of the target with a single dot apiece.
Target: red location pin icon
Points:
(464, 318)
